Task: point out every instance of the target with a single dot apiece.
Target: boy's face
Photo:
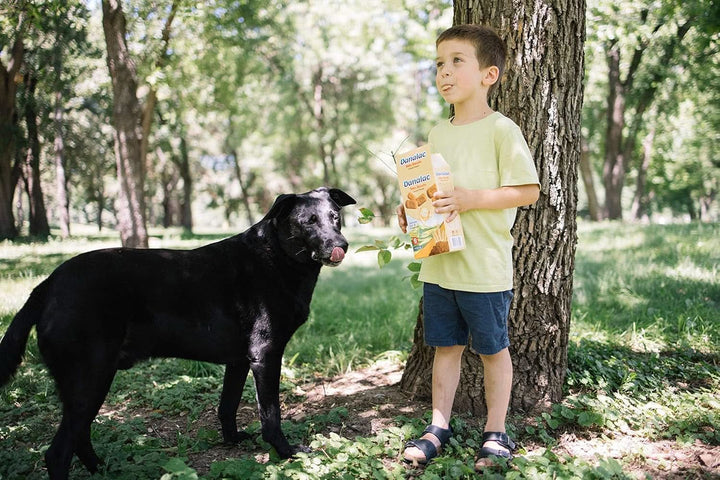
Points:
(459, 78)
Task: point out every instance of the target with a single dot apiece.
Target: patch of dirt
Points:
(642, 458)
(373, 399)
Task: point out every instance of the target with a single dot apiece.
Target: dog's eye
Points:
(313, 219)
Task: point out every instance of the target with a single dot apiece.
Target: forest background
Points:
(241, 101)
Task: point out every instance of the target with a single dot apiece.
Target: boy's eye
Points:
(457, 60)
(438, 65)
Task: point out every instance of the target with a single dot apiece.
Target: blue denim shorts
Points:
(451, 317)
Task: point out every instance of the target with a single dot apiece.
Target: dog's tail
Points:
(12, 346)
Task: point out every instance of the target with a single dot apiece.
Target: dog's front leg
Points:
(267, 383)
(233, 385)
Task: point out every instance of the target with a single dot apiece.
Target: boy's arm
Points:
(463, 199)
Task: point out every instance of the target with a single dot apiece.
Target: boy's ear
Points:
(491, 76)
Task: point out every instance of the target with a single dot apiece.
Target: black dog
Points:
(235, 302)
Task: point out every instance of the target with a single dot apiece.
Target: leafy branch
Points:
(385, 247)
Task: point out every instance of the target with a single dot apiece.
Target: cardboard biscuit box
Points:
(421, 173)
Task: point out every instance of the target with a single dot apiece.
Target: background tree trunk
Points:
(126, 119)
(61, 180)
(8, 89)
(640, 201)
(625, 95)
(39, 226)
(542, 92)
(588, 180)
(148, 110)
(183, 163)
(615, 164)
(61, 184)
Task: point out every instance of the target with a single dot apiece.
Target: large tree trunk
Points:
(8, 89)
(128, 136)
(542, 92)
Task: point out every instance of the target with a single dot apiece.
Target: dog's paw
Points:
(300, 449)
(291, 450)
(235, 438)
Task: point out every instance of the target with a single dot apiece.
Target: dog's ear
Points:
(340, 197)
(281, 207)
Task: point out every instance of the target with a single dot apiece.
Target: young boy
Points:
(468, 293)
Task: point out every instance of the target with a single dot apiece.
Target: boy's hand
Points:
(402, 220)
(452, 203)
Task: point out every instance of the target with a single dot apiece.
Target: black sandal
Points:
(426, 446)
(503, 440)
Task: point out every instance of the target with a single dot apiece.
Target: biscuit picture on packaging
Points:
(431, 191)
(414, 202)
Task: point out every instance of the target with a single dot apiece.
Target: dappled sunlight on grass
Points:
(688, 269)
(640, 293)
(14, 294)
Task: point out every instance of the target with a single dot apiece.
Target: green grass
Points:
(643, 360)
(649, 287)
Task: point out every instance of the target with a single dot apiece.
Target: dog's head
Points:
(308, 225)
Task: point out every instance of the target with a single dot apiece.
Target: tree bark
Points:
(542, 91)
(128, 130)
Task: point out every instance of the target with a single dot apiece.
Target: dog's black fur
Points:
(235, 302)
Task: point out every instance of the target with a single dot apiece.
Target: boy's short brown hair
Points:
(489, 47)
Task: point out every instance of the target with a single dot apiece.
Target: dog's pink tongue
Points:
(337, 254)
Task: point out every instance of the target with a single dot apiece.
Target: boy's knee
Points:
(501, 356)
(451, 350)
(449, 354)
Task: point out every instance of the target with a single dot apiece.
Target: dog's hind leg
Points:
(82, 393)
(59, 455)
(233, 385)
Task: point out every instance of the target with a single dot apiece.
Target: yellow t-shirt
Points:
(486, 154)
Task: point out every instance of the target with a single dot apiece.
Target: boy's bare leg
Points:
(445, 379)
(498, 373)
